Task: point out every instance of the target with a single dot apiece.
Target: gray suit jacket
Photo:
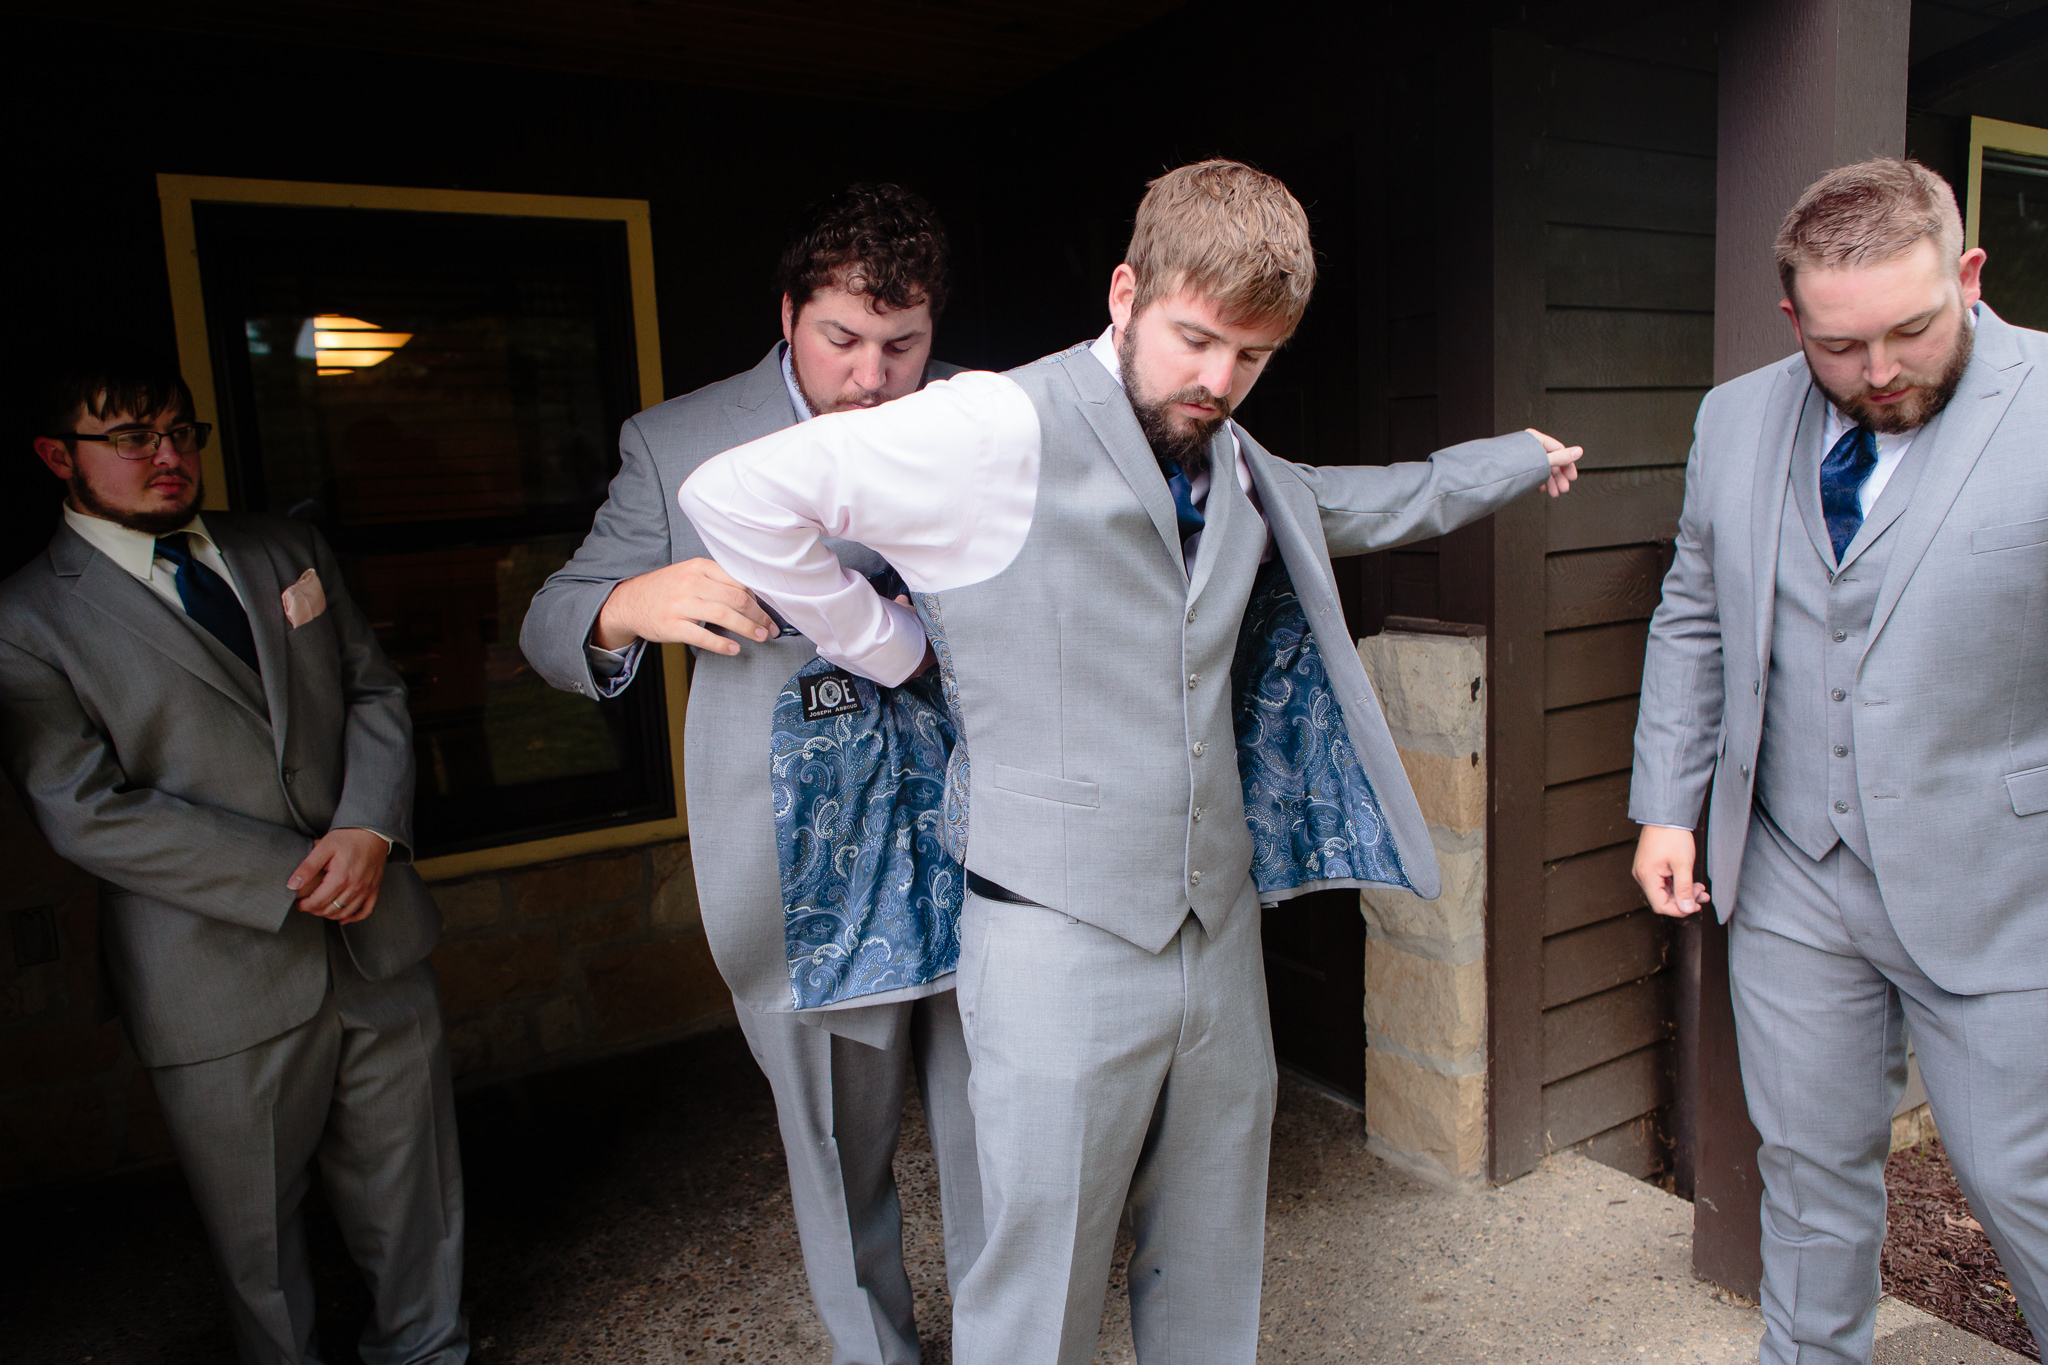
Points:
(725, 734)
(154, 759)
(1950, 711)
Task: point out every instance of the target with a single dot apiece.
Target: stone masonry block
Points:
(675, 908)
(1428, 1006)
(479, 972)
(1439, 1120)
(1450, 788)
(1426, 684)
(651, 987)
(492, 1041)
(575, 885)
(474, 904)
(1451, 927)
(560, 1022)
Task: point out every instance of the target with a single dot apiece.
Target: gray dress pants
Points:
(1824, 993)
(840, 1105)
(361, 1092)
(1108, 1077)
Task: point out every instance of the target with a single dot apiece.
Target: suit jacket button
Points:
(1745, 769)
(1841, 807)
(288, 775)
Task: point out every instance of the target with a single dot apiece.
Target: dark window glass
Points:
(2012, 227)
(440, 393)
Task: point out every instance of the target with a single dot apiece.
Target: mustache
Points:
(1201, 397)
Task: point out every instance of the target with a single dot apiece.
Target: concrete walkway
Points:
(636, 1211)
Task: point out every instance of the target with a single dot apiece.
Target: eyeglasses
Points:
(187, 439)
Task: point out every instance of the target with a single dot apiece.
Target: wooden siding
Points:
(1625, 212)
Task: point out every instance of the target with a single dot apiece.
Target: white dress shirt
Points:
(135, 551)
(941, 483)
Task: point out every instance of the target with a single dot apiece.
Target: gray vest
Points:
(1096, 771)
(1806, 765)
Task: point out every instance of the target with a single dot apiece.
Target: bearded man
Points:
(1136, 623)
(1852, 649)
(196, 712)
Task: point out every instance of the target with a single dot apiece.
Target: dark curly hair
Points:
(875, 239)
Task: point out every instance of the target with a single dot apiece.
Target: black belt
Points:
(996, 891)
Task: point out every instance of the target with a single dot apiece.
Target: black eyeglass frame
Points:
(200, 432)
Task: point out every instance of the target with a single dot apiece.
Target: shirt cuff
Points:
(388, 841)
(897, 655)
(612, 669)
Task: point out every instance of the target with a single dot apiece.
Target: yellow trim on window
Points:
(178, 193)
(2007, 137)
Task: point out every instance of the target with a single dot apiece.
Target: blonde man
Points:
(1865, 543)
(1084, 536)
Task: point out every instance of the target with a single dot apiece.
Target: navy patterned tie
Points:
(1842, 475)
(209, 600)
(1184, 510)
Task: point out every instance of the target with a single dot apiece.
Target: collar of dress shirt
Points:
(796, 393)
(134, 551)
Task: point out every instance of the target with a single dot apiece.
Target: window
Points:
(436, 381)
(2008, 217)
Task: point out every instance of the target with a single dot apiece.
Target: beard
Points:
(149, 523)
(1930, 393)
(1174, 439)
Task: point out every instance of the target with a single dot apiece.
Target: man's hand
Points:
(1564, 462)
(677, 605)
(1664, 862)
(340, 878)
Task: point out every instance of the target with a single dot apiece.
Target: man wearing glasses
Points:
(196, 713)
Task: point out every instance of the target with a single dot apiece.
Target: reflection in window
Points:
(2013, 230)
(439, 393)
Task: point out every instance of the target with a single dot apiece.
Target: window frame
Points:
(178, 193)
(2000, 136)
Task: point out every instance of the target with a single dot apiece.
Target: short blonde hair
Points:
(1230, 233)
(1864, 214)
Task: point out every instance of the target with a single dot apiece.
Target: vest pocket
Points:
(1046, 787)
(2029, 791)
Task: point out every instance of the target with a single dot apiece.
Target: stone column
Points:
(1425, 961)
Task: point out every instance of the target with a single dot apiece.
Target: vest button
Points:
(289, 774)
(1841, 635)
(1839, 695)
(1198, 814)
(1193, 678)
(1841, 807)
(1841, 751)
(1745, 769)
(1191, 615)
(1194, 879)
(1201, 746)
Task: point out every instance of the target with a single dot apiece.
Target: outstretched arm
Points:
(1376, 507)
(940, 483)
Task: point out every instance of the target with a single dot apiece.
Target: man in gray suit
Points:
(864, 280)
(1852, 649)
(198, 715)
(1086, 537)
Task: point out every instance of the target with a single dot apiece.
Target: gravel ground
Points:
(637, 1210)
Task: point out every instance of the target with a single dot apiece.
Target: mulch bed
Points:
(1936, 1256)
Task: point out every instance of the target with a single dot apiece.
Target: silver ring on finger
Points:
(338, 905)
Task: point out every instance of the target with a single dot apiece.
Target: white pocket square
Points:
(304, 599)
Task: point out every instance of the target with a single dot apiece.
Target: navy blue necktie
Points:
(1184, 510)
(209, 600)
(1842, 475)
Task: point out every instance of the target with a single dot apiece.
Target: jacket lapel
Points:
(117, 594)
(1108, 411)
(1957, 438)
(764, 405)
(256, 574)
(1805, 474)
(1767, 495)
